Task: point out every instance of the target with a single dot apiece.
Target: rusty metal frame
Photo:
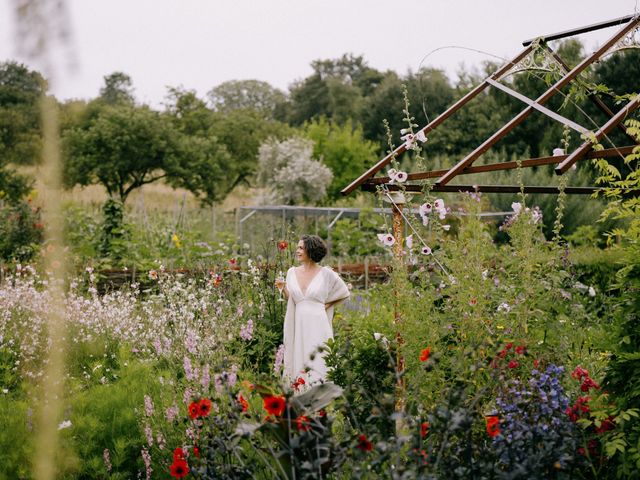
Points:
(465, 166)
(488, 189)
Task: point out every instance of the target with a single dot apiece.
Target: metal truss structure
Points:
(536, 56)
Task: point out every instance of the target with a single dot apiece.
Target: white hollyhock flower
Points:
(516, 207)
(409, 241)
(401, 177)
(425, 208)
(387, 239)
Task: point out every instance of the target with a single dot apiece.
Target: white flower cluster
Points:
(410, 139)
(167, 324)
(397, 176)
(289, 172)
(437, 208)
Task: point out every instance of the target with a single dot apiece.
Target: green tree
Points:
(429, 91)
(240, 131)
(335, 90)
(343, 149)
(118, 88)
(124, 147)
(20, 135)
(246, 95)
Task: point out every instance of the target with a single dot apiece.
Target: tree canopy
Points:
(20, 135)
(125, 146)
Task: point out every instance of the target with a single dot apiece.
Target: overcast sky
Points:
(199, 44)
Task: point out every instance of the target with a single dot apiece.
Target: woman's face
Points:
(301, 253)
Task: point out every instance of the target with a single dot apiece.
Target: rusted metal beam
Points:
(578, 31)
(549, 113)
(591, 94)
(515, 121)
(436, 122)
(530, 162)
(578, 153)
(492, 189)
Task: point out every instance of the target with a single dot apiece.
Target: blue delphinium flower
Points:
(537, 439)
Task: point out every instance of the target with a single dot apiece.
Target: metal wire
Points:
(386, 192)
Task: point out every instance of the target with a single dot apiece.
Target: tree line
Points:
(211, 145)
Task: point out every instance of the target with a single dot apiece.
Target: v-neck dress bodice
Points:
(307, 324)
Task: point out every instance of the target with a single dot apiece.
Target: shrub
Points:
(21, 232)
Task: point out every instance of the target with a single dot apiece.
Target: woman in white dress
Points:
(312, 292)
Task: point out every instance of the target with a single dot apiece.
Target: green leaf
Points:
(316, 398)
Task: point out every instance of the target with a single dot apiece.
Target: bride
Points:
(312, 292)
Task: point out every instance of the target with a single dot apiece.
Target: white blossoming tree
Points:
(290, 174)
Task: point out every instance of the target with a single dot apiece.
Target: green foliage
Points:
(623, 372)
(246, 95)
(343, 149)
(118, 89)
(20, 135)
(365, 368)
(104, 417)
(353, 238)
(21, 232)
(124, 147)
(16, 416)
(140, 243)
(112, 227)
(242, 132)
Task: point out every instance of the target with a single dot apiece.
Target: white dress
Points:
(307, 324)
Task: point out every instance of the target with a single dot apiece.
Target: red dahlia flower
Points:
(274, 405)
(178, 454)
(423, 429)
(282, 245)
(179, 469)
(204, 407)
(194, 410)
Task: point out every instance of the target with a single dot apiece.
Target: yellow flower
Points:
(176, 241)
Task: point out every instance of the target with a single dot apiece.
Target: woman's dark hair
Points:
(315, 247)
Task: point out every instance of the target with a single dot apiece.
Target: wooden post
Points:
(366, 273)
(398, 200)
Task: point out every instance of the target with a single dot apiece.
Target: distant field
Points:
(153, 197)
